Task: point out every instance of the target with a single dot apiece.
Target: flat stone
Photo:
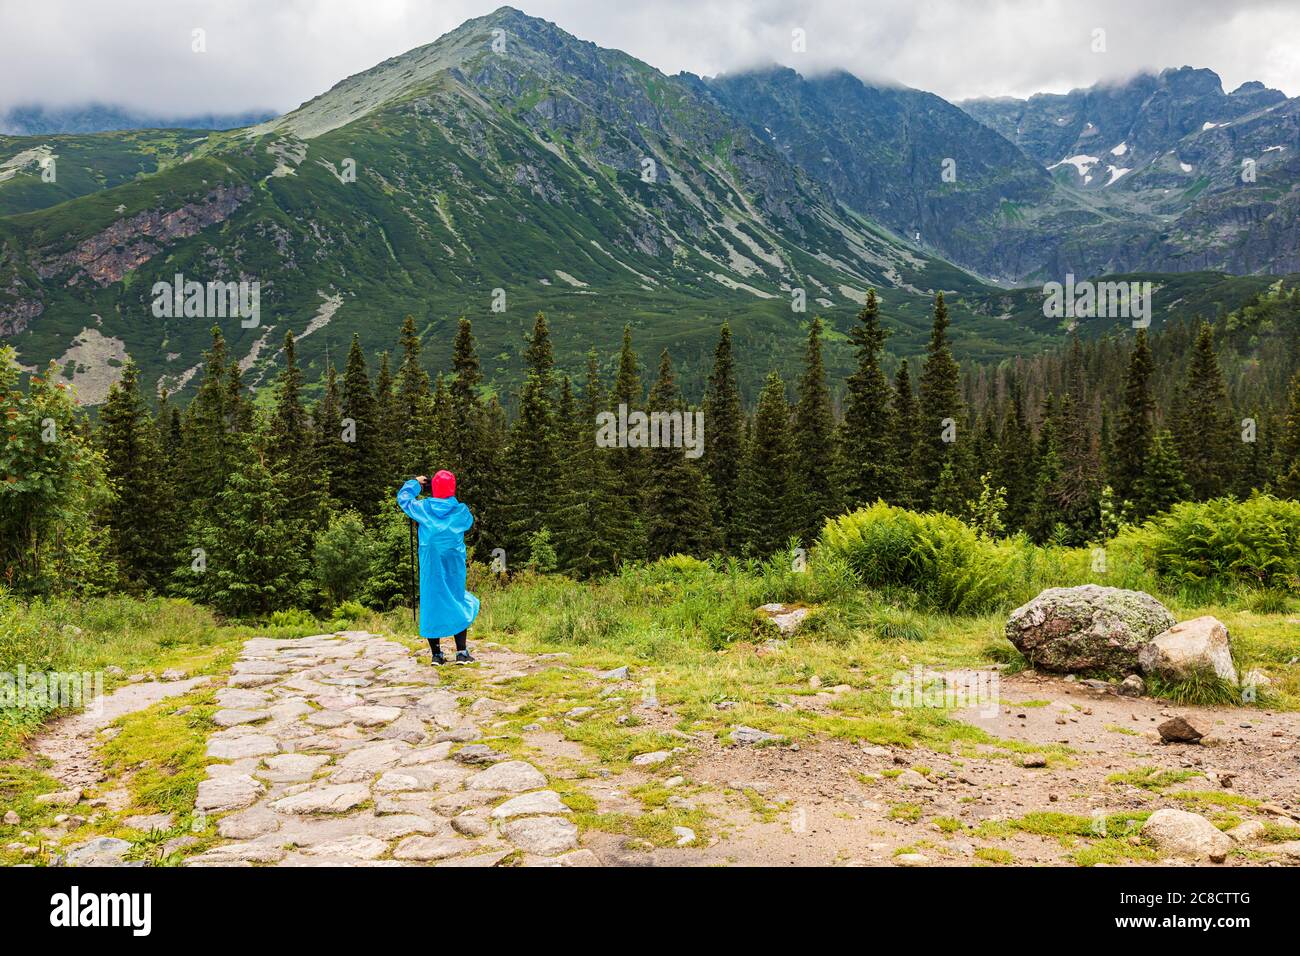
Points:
(239, 699)
(60, 798)
(248, 824)
(102, 851)
(911, 859)
(232, 717)
(358, 847)
(373, 716)
(477, 754)
(423, 755)
(542, 801)
(512, 776)
(1180, 730)
(618, 673)
(227, 792)
(251, 680)
(425, 849)
(545, 836)
(491, 858)
(752, 735)
(574, 858)
(471, 824)
(397, 825)
(331, 799)
(375, 756)
(297, 763)
(1247, 832)
(222, 747)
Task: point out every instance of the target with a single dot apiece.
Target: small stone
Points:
(650, 759)
(1132, 686)
(1247, 832)
(60, 798)
(618, 673)
(12, 819)
(424, 849)
(149, 822)
(1034, 760)
(911, 859)
(752, 735)
(339, 798)
(227, 792)
(1179, 730)
(471, 825)
(580, 712)
(173, 674)
(684, 835)
(915, 780)
(477, 754)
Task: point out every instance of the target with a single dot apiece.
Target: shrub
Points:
(935, 555)
(342, 556)
(1213, 548)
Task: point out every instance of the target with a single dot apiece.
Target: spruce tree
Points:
(1161, 485)
(327, 424)
(814, 464)
(210, 445)
(533, 457)
(389, 426)
(133, 466)
(940, 403)
(357, 485)
(475, 461)
(1203, 423)
(724, 436)
(1288, 478)
(904, 440)
(1080, 481)
(292, 448)
(866, 452)
(1017, 465)
(415, 403)
(1137, 421)
(679, 513)
(769, 511)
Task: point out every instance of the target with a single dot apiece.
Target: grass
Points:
(1151, 778)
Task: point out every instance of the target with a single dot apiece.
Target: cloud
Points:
(138, 53)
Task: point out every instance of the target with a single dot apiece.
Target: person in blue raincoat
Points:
(446, 608)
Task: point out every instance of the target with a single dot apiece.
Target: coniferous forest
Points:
(256, 502)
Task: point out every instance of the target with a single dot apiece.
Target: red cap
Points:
(443, 485)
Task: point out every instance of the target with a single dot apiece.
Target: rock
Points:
(542, 801)
(60, 798)
(784, 618)
(1086, 628)
(1034, 760)
(471, 824)
(1248, 831)
(357, 847)
(1132, 686)
(338, 798)
(1290, 849)
(1200, 645)
(1187, 835)
(512, 776)
(227, 792)
(1178, 730)
(424, 849)
(248, 824)
(618, 673)
(295, 768)
(912, 859)
(477, 754)
(224, 747)
(172, 674)
(176, 844)
(580, 712)
(576, 858)
(373, 716)
(545, 836)
(917, 781)
(684, 835)
(650, 759)
(102, 851)
(751, 735)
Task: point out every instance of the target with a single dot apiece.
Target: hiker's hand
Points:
(422, 479)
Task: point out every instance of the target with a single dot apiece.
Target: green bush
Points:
(1216, 548)
(343, 555)
(935, 555)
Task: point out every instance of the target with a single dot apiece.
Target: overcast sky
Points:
(274, 54)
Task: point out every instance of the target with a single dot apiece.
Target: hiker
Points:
(446, 608)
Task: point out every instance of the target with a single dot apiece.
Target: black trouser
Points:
(461, 640)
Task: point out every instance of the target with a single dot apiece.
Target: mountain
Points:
(37, 120)
(1165, 172)
(545, 172)
(904, 157)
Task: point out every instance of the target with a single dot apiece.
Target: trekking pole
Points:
(415, 617)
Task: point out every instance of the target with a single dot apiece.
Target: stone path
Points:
(342, 749)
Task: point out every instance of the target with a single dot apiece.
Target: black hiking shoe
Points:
(438, 659)
(462, 657)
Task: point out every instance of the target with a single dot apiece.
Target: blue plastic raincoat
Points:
(446, 608)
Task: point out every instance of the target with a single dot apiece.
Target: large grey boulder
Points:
(1187, 835)
(1201, 645)
(1087, 628)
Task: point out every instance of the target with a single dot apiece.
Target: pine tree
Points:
(940, 403)
(814, 464)
(133, 466)
(1161, 485)
(210, 444)
(1080, 481)
(1203, 424)
(357, 485)
(1137, 421)
(769, 516)
(389, 428)
(292, 450)
(415, 403)
(866, 453)
(1017, 465)
(533, 458)
(904, 440)
(679, 513)
(327, 423)
(1046, 515)
(475, 461)
(1288, 478)
(724, 436)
